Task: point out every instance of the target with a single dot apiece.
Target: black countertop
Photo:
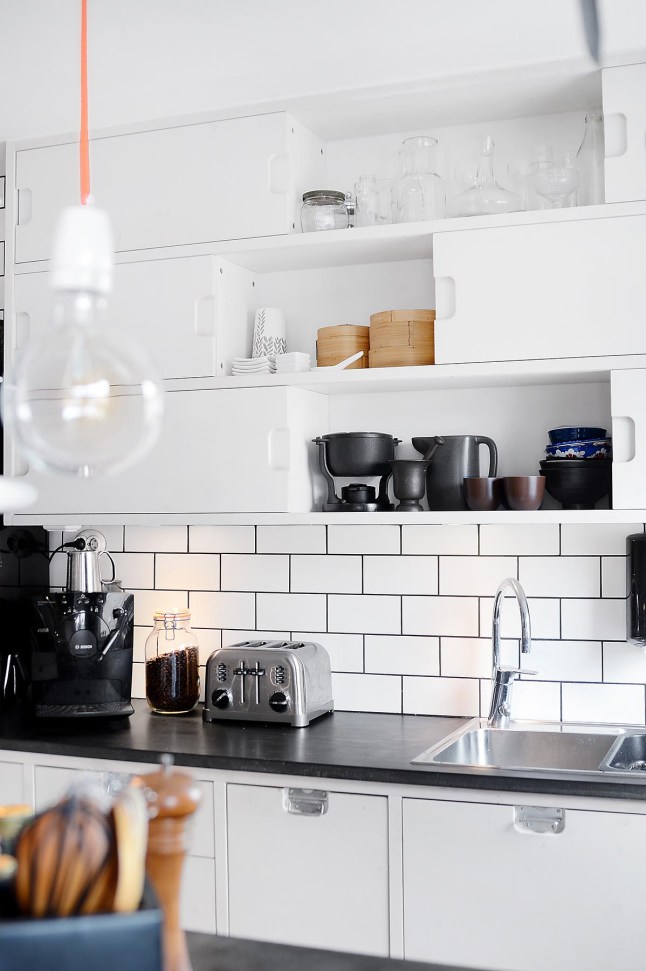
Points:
(345, 745)
(208, 952)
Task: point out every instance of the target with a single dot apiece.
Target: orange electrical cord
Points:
(84, 147)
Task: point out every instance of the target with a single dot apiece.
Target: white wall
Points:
(159, 58)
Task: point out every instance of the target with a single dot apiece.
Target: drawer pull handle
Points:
(305, 802)
(539, 819)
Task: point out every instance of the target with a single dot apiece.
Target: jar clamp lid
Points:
(324, 197)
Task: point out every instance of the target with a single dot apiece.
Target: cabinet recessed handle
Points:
(615, 130)
(24, 206)
(305, 802)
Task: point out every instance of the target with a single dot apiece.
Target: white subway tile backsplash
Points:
(363, 539)
(407, 632)
(624, 663)
(369, 614)
(187, 571)
(603, 620)
(545, 617)
(474, 575)
(345, 650)
(366, 692)
(440, 540)
(560, 576)
(242, 571)
(400, 574)
(471, 657)
(519, 540)
(221, 539)
(534, 700)
(604, 539)
(441, 696)
(134, 570)
(457, 616)
(156, 539)
(393, 654)
(325, 574)
(148, 602)
(564, 660)
(608, 703)
(138, 680)
(291, 539)
(291, 611)
(613, 576)
(223, 610)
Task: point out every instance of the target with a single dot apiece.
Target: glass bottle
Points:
(590, 162)
(485, 196)
(172, 664)
(420, 193)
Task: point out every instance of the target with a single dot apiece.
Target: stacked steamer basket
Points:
(401, 338)
(336, 344)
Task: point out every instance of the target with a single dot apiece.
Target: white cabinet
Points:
(572, 288)
(625, 132)
(11, 783)
(193, 183)
(482, 889)
(302, 878)
(628, 438)
(167, 304)
(239, 450)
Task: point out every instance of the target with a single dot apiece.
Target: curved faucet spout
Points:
(502, 678)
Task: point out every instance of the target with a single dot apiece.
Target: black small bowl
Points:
(577, 483)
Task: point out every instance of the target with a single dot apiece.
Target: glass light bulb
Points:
(85, 399)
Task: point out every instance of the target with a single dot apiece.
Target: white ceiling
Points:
(153, 59)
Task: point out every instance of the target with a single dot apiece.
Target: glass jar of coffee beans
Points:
(172, 664)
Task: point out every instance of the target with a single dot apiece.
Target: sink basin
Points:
(527, 748)
(628, 754)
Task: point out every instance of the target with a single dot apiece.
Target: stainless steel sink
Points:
(527, 748)
(627, 754)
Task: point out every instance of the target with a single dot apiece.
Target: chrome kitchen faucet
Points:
(503, 678)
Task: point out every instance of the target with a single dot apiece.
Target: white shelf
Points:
(431, 377)
(541, 516)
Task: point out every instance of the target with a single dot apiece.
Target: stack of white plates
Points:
(254, 365)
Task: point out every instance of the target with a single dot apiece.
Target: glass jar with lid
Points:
(172, 664)
(324, 209)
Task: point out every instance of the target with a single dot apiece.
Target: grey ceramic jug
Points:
(456, 458)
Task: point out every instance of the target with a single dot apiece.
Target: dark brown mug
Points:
(483, 493)
(524, 491)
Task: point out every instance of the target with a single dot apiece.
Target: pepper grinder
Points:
(172, 797)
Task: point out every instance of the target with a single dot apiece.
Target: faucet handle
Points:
(515, 671)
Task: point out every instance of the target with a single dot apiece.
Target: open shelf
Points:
(502, 518)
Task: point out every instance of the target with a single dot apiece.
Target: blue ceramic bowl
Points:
(574, 433)
(591, 449)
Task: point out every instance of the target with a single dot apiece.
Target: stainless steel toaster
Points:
(271, 681)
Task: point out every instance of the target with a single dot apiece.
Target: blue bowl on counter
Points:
(575, 433)
(600, 448)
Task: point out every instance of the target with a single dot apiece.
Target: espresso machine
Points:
(82, 638)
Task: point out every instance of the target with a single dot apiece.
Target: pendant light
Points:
(85, 399)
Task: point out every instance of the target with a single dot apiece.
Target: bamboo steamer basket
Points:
(335, 344)
(401, 338)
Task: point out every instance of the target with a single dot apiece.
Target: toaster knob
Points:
(220, 698)
(278, 701)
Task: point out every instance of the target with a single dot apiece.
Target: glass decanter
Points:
(485, 196)
(590, 158)
(420, 193)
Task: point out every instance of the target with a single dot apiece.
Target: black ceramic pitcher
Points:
(455, 459)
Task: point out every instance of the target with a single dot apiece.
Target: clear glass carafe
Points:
(590, 158)
(420, 193)
(485, 196)
(172, 664)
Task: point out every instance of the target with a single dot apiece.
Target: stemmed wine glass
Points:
(555, 180)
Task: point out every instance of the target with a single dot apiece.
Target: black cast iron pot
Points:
(359, 453)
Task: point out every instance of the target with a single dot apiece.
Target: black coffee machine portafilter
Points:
(82, 640)
(357, 454)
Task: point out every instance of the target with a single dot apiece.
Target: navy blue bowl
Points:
(574, 433)
(594, 449)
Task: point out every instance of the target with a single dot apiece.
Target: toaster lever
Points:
(305, 802)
